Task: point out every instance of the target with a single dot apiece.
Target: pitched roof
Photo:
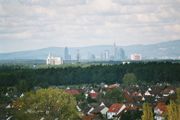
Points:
(92, 91)
(131, 107)
(98, 109)
(113, 86)
(72, 91)
(147, 93)
(102, 104)
(88, 117)
(115, 107)
(161, 106)
(128, 96)
(93, 95)
(168, 90)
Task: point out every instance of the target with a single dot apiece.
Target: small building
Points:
(93, 94)
(113, 86)
(72, 91)
(147, 93)
(101, 109)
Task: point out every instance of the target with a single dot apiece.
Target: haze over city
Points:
(34, 24)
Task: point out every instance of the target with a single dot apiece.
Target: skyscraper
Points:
(118, 53)
(114, 51)
(106, 55)
(78, 56)
(92, 57)
(67, 56)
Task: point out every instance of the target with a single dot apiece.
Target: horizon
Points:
(35, 24)
(86, 46)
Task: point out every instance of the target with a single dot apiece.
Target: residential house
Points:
(93, 94)
(115, 110)
(101, 109)
(72, 91)
(159, 111)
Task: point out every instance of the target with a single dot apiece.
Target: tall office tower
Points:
(78, 56)
(92, 57)
(120, 54)
(106, 55)
(102, 56)
(67, 56)
(115, 52)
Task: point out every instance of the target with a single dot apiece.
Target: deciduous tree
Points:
(129, 78)
(49, 104)
(147, 112)
(173, 111)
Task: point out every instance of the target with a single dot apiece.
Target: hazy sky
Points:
(32, 24)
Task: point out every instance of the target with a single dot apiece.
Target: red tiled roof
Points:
(88, 117)
(115, 107)
(161, 106)
(128, 96)
(93, 95)
(72, 92)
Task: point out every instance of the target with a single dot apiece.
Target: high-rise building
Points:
(52, 60)
(114, 51)
(92, 57)
(67, 56)
(106, 55)
(136, 56)
(78, 56)
(120, 54)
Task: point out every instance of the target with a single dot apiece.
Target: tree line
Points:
(151, 73)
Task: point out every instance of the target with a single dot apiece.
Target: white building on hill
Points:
(52, 60)
(136, 56)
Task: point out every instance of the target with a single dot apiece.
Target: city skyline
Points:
(35, 24)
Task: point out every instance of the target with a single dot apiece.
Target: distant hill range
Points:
(164, 50)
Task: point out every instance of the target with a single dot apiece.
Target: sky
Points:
(34, 24)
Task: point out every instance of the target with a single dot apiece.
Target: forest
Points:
(146, 73)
